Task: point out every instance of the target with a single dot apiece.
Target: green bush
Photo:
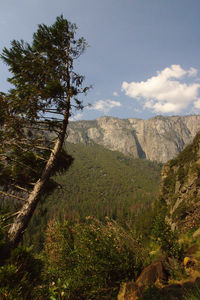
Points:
(166, 238)
(20, 276)
(92, 258)
(192, 295)
(152, 293)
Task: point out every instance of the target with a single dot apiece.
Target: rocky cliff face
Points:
(180, 187)
(157, 139)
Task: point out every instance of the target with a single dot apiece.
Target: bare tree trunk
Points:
(21, 221)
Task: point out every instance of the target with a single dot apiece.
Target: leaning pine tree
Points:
(45, 90)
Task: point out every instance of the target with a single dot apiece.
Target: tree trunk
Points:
(20, 223)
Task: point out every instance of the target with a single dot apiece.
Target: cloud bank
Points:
(165, 92)
(105, 105)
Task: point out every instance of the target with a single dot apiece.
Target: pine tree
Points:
(45, 91)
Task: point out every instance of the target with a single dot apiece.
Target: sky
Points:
(143, 57)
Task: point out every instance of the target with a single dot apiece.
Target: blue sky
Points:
(144, 55)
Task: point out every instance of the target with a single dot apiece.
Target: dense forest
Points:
(100, 183)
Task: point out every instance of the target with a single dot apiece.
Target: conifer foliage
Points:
(45, 90)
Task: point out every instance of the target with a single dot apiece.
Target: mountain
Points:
(157, 139)
(180, 188)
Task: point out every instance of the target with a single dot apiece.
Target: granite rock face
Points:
(157, 139)
(180, 188)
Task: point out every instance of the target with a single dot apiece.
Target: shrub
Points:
(166, 238)
(152, 293)
(20, 276)
(192, 295)
(92, 258)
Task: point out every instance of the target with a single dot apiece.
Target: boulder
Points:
(196, 234)
(129, 291)
(189, 262)
(156, 271)
(192, 250)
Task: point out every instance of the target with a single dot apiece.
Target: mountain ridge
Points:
(157, 139)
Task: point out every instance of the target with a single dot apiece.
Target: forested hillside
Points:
(100, 183)
(105, 183)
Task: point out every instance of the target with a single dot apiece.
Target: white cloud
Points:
(76, 117)
(165, 93)
(115, 94)
(105, 105)
(197, 103)
(192, 72)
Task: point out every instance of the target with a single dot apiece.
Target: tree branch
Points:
(12, 196)
(20, 188)
(10, 217)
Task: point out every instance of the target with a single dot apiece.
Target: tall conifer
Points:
(45, 89)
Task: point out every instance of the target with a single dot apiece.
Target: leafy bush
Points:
(92, 258)
(166, 238)
(152, 293)
(20, 276)
(192, 295)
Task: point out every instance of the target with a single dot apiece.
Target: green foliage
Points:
(176, 270)
(23, 167)
(169, 183)
(92, 258)
(105, 183)
(45, 91)
(143, 223)
(180, 185)
(152, 293)
(58, 290)
(182, 211)
(190, 153)
(100, 183)
(184, 162)
(2, 232)
(43, 70)
(166, 238)
(20, 276)
(192, 295)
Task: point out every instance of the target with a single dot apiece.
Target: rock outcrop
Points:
(153, 282)
(157, 139)
(180, 188)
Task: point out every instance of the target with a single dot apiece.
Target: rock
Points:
(185, 261)
(129, 291)
(197, 282)
(188, 285)
(196, 234)
(192, 250)
(189, 262)
(172, 262)
(180, 189)
(156, 271)
(157, 139)
(173, 292)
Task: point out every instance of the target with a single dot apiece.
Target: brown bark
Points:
(23, 217)
(21, 221)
